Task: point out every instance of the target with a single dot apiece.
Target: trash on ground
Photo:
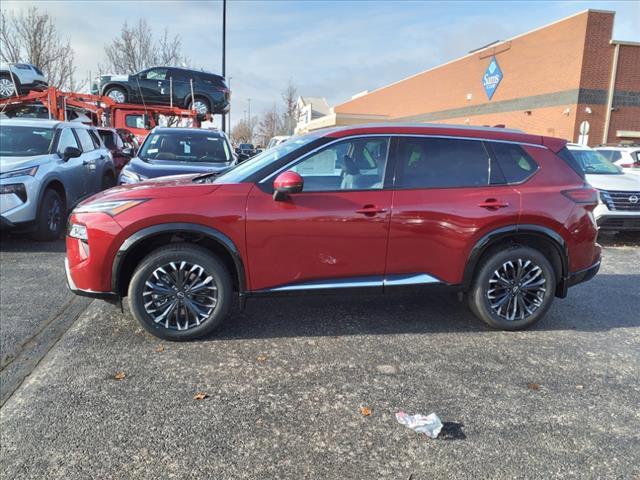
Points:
(365, 411)
(119, 375)
(430, 425)
(533, 386)
(200, 396)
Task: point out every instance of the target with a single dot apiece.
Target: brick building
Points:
(548, 81)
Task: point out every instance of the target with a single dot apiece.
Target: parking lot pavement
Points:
(36, 307)
(286, 378)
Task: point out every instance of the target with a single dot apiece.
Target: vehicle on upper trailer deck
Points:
(503, 217)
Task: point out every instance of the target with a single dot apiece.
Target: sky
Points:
(331, 49)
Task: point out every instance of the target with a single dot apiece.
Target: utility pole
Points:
(224, 53)
(229, 84)
(250, 122)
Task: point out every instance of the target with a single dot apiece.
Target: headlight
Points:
(127, 176)
(78, 231)
(31, 171)
(112, 208)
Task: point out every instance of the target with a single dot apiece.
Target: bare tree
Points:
(242, 132)
(290, 115)
(32, 37)
(272, 124)
(137, 48)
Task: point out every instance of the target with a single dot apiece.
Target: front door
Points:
(74, 173)
(153, 86)
(331, 235)
(448, 194)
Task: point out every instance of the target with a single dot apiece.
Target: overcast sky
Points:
(330, 49)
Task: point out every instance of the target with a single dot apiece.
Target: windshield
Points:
(186, 146)
(246, 169)
(23, 141)
(594, 163)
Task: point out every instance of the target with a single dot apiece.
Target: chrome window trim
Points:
(390, 135)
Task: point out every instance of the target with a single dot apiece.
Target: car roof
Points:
(203, 131)
(577, 146)
(205, 72)
(438, 129)
(623, 148)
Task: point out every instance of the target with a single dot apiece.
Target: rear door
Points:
(448, 193)
(331, 235)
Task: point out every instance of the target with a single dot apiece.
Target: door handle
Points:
(493, 204)
(371, 210)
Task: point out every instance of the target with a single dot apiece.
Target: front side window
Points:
(22, 141)
(441, 163)
(85, 140)
(157, 74)
(185, 147)
(67, 139)
(354, 164)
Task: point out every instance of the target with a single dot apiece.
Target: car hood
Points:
(162, 168)
(623, 182)
(8, 164)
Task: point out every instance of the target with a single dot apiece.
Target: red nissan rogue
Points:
(503, 217)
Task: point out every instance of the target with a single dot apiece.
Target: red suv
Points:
(504, 217)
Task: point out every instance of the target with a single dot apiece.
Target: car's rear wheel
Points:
(7, 88)
(180, 292)
(513, 288)
(200, 105)
(51, 217)
(117, 94)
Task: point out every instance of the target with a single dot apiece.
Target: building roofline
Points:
(476, 51)
(625, 43)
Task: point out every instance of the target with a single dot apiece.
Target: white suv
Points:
(619, 206)
(22, 76)
(627, 157)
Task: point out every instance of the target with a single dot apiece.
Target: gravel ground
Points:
(286, 378)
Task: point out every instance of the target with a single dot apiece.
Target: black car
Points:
(175, 151)
(156, 86)
(245, 151)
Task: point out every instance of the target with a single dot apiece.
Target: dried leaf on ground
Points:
(365, 411)
(119, 375)
(533, 386)
(200, 396)
(261, 358)
(160, 348)
(579, 387)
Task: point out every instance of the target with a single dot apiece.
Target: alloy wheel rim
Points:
(116, 95)
(6, 87)
(180, 295)
(200, 107)
(54, 216)
(517, 289)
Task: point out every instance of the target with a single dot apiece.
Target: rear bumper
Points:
(583, 275)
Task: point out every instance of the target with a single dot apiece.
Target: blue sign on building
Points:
(491, 78)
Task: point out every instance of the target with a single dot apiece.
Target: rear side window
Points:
(85, 140)
(441, 163)
(569, 159)
(96, 140)
(107, 138)
(514, 162)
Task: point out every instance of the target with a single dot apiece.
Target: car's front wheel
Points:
(51, 216)
(180, 292)
(513, 288)
(116, 94)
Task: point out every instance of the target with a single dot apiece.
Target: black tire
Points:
(485, 281)
(51, 218)
(161, 258)
(204, 101)
(116, 89)
(108, 181)
(7, 77)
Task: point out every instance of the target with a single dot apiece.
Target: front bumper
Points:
(109, 296)
(617, 220)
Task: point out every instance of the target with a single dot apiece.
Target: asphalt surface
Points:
(36, 308)
(286, 378)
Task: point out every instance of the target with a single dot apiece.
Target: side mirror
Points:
(287, 183)
(127, 152)
(71, 152)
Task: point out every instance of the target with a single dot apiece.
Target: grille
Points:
(621, 201)
(619, 224)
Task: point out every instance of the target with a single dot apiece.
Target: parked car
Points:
(619, 192)
(26, 77)
(46, 167)
(245, 151)
(120, 143)
(626, 157)
(155, 86)
(174, 151)
(277, 140)
(500, 216)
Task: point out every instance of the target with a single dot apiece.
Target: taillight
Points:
(587, 196)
